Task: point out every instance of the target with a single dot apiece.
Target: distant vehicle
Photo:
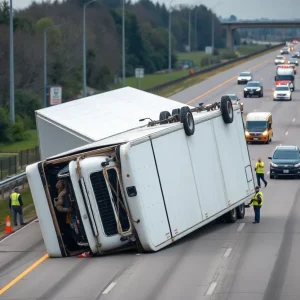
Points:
(285, 161)
(244, 77)
(280, 59)
(296, 55)
(284, 77)
(282, 92)
(254, 88)
(293, 60)
(286, 69)
(285, 50)
(295, 42)
(236, 101)
(259, 127)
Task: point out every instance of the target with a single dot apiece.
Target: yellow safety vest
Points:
(255, 202)
(15, 199)
(260, 170)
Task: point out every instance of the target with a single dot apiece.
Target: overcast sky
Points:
(275, 9)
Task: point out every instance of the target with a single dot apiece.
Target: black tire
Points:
(240, 211)
(268, 141)
(272, 176)
(231, 216)
(163, 116)
(226, 109)
(176, 111)
(245, 96)
(186, 117)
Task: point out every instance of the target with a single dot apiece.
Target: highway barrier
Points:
(163, 86)
(6, 186)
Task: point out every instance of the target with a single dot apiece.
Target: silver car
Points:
(279, 60)
(282, 92)
(244, 77)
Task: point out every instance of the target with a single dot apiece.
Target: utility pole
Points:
(213, 26)
(190, 12)
(11, 63)
(170, 40)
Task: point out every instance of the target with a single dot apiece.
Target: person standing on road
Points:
(257, 202)
(260, 172)
(16, 206)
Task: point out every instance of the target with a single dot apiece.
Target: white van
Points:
(148, 187)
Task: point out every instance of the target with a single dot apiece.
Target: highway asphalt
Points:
(241, 261)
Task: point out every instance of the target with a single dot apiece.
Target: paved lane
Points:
(231, 261)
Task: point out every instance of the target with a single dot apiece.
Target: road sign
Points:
(139, 73)
(55, 95)
(209, 50)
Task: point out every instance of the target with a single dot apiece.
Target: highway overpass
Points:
(231, 26)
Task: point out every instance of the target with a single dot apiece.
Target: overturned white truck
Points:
(148, 187)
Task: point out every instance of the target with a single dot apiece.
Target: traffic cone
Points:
(84, 254)
(8, 228)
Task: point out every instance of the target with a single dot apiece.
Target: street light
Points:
(45, 61)
(11, 64)
(123, 46)
(213, 26)
(196, 28)
(170, 44)
(190, 12)
(84, 47)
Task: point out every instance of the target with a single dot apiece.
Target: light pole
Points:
(196, 28)
(123, 46)
(190, 12)
(84, 47)
(45, 62)
(213, 26)
(11, 64)
(170, 42)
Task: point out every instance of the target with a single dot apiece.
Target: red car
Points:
(295, 42)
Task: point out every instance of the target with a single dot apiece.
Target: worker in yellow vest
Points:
(16, 206)
(257, 202)
(260, 172)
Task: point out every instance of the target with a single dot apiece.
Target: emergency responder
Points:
(16, 205)
(257, 202)
(260, 172)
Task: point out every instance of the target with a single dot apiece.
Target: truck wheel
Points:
(226, 109)
(240, 211)
(139, 246)
(186, 117)
(231, 216)
(163, 116)
(176, 111)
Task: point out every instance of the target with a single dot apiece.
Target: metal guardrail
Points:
(209, 69)
(7, 185)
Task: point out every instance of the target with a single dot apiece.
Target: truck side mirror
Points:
(270, 126)
(275, 78)
(269, 157)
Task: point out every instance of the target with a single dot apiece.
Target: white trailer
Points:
(80, 122)
(148, 187)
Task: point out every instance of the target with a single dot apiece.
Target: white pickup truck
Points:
(148, 187)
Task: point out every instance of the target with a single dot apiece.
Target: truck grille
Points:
(105, 204)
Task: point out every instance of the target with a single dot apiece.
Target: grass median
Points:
(28, 210)
(178, 87)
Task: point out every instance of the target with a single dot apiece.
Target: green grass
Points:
(196, 57)
(176, 88)
(248, 49)
(28, 209)
(31, 142)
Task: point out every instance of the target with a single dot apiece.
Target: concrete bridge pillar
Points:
(230, 38)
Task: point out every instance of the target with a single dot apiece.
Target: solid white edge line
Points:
(227, 252)
(211, 288)
(12, 234)
(294, 120)
(109, 288)
(287, 133)
(241, 227)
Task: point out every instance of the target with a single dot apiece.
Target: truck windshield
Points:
(256, 125)
(285, 77)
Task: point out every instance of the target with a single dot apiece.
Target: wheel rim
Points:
(190, 120)
(229, 109)
(242, 208)
(233, 213)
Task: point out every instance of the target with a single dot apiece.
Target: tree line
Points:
(146, 27)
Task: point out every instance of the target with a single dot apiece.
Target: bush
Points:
(227, 54)
(4, 126)
(17, 132)
(210, 60)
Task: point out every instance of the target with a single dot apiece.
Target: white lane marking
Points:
(109, 288)
(12, 234)
(228, 252)
(254, 109)
(280, 145)
(241, 227)
(294, 120)
(211, 288)
(138, 254)
(268, 172)
(287, 133)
